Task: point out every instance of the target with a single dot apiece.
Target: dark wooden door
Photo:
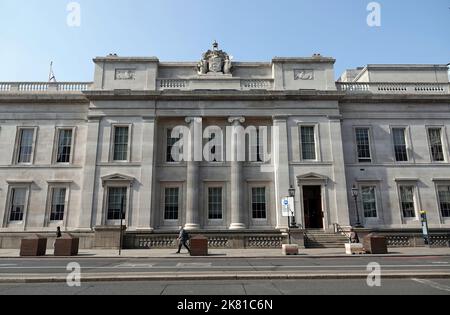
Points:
(312, 202)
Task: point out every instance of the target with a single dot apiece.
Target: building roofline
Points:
(125, 59)
(314, 59)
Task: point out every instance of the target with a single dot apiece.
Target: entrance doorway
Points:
(312, 205)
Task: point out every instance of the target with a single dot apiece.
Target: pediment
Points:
(312, 176)
(117, 178)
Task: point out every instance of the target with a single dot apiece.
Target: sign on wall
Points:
(287, 206)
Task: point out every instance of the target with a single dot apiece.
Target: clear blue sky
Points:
(34, 32)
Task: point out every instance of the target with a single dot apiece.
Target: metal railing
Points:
(339, 230)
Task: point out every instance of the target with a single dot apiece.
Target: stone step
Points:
(321, 239)
(325, 246)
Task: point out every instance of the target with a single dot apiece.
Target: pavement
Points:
(236, 253)
(155, 265)
(263, 289)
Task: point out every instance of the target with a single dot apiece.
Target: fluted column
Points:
(88, 207)
(194, 156)
(237, 186)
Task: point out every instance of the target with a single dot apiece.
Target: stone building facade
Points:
(75, 154)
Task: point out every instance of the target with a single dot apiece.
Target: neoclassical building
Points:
(78, 155)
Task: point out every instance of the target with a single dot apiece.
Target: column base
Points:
(192, 226)
(237, 226)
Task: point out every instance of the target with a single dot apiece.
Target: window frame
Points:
(267, 203)
(113, 144)
(407, 144)
(163, 203)
(166, 146)
(58, 130)
(8, 206)
(370, 160)
(118, 184)
(316, 142)
(438, 198)
(377, 210)
(51, 187)
(222, 212)
(443, 143)
(17, 145)
(416, 200)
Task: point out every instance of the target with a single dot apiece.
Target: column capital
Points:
(280, 118)
(236, 120)
(148, 118)
(94, 118)
(336, 118)
(193, 119)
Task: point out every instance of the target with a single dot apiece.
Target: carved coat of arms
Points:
(215, 61)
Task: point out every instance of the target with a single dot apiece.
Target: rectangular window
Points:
(171, 144)
(215, 150)
(117, 202)
(400, 148)
(256, 145)
(215, 203)
(444, 200)
(171, 203)
(308, 143)
(259, 146)
(58, 204)
(259, 205)
(368, 196)
(63, 155)
(25, 149)
(407, 201)
(121, 138)
(363, 145)
(18, 199)
(435, 142)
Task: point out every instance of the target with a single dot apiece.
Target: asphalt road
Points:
(302, 265)
(237, 288)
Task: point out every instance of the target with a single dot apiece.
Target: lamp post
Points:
(292, 223)
(122, 215)
(355, 193)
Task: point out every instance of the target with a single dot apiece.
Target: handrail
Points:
(338, 229)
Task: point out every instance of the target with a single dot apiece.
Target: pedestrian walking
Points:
(58, 232)
(183, 237)
(58, 235)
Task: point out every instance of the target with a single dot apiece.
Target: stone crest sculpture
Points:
(215, 62)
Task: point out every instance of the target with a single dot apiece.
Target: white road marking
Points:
(440, 262)
(209, 265)
(135, 266)
(196, 265)
(433, 284)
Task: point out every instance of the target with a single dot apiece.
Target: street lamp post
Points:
(292, 223)
(355, 193)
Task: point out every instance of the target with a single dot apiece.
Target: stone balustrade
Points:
(185, 84)
(25, 87)
(393, 88)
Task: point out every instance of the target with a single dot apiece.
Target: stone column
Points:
(237, 185)
(342, 215)
(147, 174)
(193, 157)
(280, 156)
(89, 175)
